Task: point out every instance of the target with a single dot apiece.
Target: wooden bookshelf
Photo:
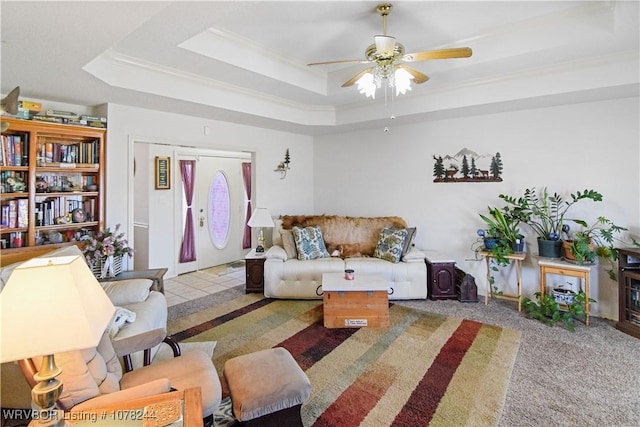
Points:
(62, 167)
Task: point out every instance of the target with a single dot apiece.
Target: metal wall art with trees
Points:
(468, 166)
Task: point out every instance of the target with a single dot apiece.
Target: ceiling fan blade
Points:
(418, 77)
(459, 52)
(347, 61)
(355, 78)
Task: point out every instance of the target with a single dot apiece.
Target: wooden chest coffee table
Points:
(363, 301)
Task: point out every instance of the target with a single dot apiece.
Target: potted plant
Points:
(548, 311)
(596, 241)
(501, 238)
(545, 213)
(505, 227)
(104, 251)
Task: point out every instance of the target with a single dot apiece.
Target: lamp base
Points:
(48, 418)
(259, 249)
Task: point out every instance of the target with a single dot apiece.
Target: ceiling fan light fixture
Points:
(402, 81)
(395, 77)
(385, 45)
(367, 86)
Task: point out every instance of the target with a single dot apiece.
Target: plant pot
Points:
(549, 248)
(568, 255)
(518, 247)
(490, 243)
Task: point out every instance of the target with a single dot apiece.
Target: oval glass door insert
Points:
(219, 210)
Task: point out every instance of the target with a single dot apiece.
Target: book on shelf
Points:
(23, 213)
(78, 121)
(14, 150)
(62, 114)
(13, 214)
(93, 118)
(50, 119)
(4, 216)
(30, 105)
(97, 124)
(82, 155)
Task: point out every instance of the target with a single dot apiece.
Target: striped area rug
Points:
(424, 369)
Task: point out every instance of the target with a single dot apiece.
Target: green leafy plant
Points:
(545, 212)
(503, 225)
(504, 232)
(598, 240)
(548, 311)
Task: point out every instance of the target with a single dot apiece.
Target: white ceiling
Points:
(245, 61)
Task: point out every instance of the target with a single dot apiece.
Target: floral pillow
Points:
(390, 244)
(309, 243)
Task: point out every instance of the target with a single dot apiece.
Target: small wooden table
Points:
(254, 271)
(363, 301)
(517, 260)
(568, 269)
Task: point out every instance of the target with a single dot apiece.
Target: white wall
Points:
(129, 124)
(567, 148)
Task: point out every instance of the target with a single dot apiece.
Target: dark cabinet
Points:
(441, 277)
(254, 269)
(629, 291)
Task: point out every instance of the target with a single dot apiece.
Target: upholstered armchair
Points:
(133, 295)
(94, 378)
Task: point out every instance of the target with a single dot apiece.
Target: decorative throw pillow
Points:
(289, 244)
(408, 241)
(390, 244)
(309, 243)
(128, 291)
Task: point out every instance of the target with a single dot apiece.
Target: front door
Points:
(220, 210)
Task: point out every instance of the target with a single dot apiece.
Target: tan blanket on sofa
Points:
(350, 236)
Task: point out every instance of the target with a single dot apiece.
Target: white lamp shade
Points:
(260, 218)
(52, 305)
(385, 45)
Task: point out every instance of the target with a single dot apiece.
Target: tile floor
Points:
(201, 283)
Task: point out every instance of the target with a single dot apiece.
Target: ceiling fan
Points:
(388, 56)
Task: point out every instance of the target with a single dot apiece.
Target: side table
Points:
(441, 277)
(517, 259)
(562, 268)
(254, 269)
(156, 275)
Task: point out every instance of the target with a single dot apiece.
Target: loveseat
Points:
(129, 296)
(355, 243)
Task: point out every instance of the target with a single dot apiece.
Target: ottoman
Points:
(267, 388)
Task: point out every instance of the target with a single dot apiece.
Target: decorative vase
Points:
(549, 248)
(107, 267)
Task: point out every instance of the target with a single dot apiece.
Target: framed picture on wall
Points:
(163, 173)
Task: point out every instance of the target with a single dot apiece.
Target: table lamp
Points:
(48, 306)
(260, 218)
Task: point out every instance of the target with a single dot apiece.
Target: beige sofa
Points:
(351, 242)
(135, 295)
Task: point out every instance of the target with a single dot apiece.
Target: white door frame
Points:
(178, 149)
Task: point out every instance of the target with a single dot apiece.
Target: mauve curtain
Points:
(246, 176)
(188, 248)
